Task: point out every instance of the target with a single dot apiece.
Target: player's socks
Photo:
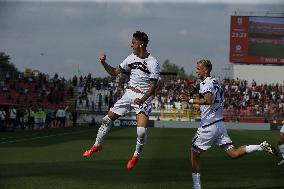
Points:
(141, 140)
(281, 162)
(253, 148)
(103, 130)
(196, 180)
(281, 149)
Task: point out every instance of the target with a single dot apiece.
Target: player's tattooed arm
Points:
(149, 92)
(205, 99)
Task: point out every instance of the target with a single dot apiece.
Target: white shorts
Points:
(126, 104)
(209, 135)
(282, 129)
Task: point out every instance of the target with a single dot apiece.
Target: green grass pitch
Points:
(53, 160)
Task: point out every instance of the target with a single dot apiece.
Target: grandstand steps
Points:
(71, 102)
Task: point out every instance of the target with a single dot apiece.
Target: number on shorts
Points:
(145, 107)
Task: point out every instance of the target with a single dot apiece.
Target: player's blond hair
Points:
(206, 63)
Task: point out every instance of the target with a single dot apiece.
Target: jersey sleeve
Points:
(124, 65)
(154, 71)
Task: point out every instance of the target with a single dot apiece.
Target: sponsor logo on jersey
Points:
(140, 66)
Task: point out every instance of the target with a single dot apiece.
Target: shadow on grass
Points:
(108, 171)
(56, 136)
(146, 171)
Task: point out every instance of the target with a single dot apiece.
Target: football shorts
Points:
(205, 137)
(126, 104)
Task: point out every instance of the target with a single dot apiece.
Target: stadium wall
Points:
(262, 74)
(131, 121)
(229, 125)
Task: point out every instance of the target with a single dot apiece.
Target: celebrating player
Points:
(212, 129)
(281, 144)
(144, 74)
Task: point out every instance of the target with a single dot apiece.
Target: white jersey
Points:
(142, 71)
(212, 113)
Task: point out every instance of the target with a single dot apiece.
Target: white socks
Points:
(105, 127)
(281, 149)
(141, 140)
(196, 180)
(103, 130)
(253, 148)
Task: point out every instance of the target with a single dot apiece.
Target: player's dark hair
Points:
(141, 36)
(206, 63)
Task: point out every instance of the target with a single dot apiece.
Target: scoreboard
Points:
(257, 40)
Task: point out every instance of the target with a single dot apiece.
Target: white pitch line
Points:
(12, 137)
(40, 137)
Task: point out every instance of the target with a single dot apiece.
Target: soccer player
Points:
(281, 144)
(144, 74)
(212, 129)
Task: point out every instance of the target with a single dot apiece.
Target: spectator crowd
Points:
(242, 99)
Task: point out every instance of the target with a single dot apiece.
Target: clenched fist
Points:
(103, 57)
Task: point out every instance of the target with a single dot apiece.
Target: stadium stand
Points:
(244, 102)
(31, 91)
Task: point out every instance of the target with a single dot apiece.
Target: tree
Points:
(6, 66)
(168, 67)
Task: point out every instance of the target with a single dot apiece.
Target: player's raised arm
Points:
(113, 71)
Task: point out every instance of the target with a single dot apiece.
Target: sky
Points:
(66, 37)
